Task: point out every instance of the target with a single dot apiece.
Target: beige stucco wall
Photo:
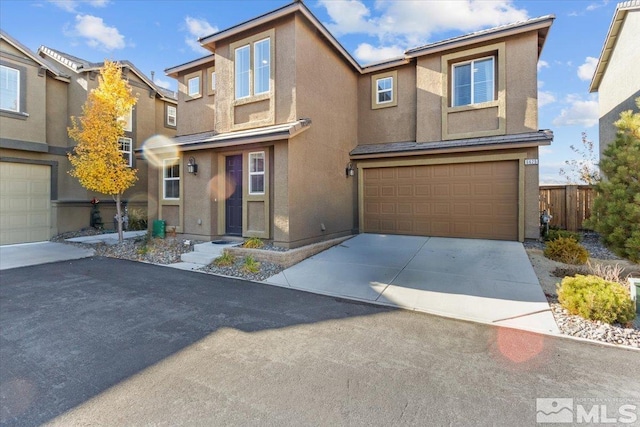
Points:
(319, 191)
(518, 57)
(196, 114)
(30, 128)
(389, 124)
(620, 84)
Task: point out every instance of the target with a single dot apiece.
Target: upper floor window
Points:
(127, 121)
(260, 68)
(474, 82)
(256, 173)
(171, 115)
(126, 148)
(9, 88)
(193, 86)
(384, 90)
(213, 81)
(171, 179)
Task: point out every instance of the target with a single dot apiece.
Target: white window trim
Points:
(170, 115)
(213, 81)
(128, 153)
(257, 173)
(17, 110)
(453, 80)
(236, 74)
(189, 80)
(170, 163)
(127, 121)
(378, 91)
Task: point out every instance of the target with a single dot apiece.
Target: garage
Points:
(25, 203)
(468, 200)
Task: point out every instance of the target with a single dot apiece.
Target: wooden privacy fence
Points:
(569, 205)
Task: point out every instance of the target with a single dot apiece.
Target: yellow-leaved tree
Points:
(96, 160)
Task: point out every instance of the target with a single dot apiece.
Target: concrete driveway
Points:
(484, 281)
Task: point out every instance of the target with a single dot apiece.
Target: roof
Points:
(80, 65)
(51, 68)
(542, 137)
(610, 41)
(211, 139)
(173, 71)
(542, 24)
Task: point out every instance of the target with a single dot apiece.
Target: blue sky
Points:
(155, 35)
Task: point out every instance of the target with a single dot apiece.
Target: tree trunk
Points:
(119, 219)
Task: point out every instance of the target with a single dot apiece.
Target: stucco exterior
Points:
(54, 86)
(616, 79)
(320, 124)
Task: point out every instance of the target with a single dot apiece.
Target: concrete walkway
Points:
(484, 281)
(26, 254)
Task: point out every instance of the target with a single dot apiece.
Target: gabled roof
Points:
(80, 65)
(55, 72)
(610, 41)
(173, 71)
(542, 24)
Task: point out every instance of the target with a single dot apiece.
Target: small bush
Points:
(251, 265)
(555, 234)
(137, 219)
(610, 273)
(566, 250)
(225, 260)
(597, 299)
(253, 243)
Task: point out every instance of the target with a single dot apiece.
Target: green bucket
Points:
(159, 227)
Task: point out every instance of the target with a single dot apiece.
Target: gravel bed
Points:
(267, 269)
(590, 240)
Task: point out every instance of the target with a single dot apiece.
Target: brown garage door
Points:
(473, 200)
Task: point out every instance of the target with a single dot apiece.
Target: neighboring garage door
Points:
(472, 200)
(25, 203)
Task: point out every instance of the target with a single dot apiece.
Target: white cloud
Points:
(545, 98)
(586, 70)
(165, 84)
(72, 5)
(542, 64)
(411, 23)
(580, 112)
(197, 28)
(366, 53)
(97, 33)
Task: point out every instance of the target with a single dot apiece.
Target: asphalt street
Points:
(100, 341)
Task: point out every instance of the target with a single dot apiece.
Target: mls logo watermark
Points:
(559, 410)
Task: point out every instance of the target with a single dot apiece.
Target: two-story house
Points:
(40, 92)
(294, 141)
(616, 78)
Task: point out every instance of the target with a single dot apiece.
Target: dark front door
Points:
(234, 202)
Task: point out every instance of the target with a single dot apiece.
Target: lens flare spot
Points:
(157, 148)
(221, 187)
(519, 346)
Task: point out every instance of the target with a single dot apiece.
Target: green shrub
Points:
(555, 234)
(225, 260)
(566, 250)
(597, 299)
(253, 243)
(251, 265)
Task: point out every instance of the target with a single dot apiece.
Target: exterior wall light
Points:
(192, 167)
(350, 170)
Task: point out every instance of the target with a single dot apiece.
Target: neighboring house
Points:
(296, 142)
(40, 92)
(617, 76)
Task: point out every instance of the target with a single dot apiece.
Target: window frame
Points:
(127, 121)
(393, 75)
(471, 62)
(126, 154)
(253, 173)
(259, 80)
(18, 89)
(174, 116)
(379, 92)
(193, 94)
(245, 73)
(167, 165)
(258, 67)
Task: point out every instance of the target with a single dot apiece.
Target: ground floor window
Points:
(256, 173)
(171, 179)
